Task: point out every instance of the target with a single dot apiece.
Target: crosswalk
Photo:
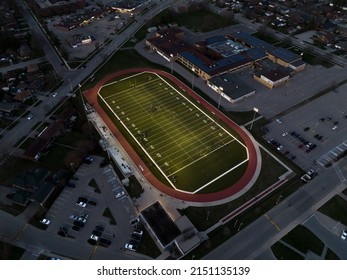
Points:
(339, 172)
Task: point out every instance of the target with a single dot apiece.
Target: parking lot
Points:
(100, 29)
(309, 132)
(78, 212)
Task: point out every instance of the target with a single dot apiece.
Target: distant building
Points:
(48, 8)
(126, 6)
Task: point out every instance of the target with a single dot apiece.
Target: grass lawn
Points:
(269, 174)
(282, 252)
(57, 158)
(312, 59)
(134, 189)
(202, 21)
(12, 125)
(24, 145)
(10, 252)
(303, 239)
(147, 245)
(330, 255)
(15, 166)
(5, 123)
(266, 38)
(335, 208)
(179, 138)
(107, 213)
(93, 184)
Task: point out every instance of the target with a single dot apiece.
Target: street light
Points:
(171, 55)
(70, 85)
(255, 112)
(193, 69)
(72, 164)
(220, 90)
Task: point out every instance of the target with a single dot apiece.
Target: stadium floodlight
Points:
(220, 91)
(172, 61)
(193, 70)
(256, 110)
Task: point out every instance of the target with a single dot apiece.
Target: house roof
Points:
(35, 148)
(31, 179)
(53, 130)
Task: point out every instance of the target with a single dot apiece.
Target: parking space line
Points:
(272, 222)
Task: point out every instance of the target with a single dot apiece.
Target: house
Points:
(23, 95)
(24, 51)
(9, 108)
(32, 186)
(30, 180)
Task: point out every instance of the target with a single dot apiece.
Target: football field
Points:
(188, 145)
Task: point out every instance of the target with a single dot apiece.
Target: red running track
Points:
(91, 96)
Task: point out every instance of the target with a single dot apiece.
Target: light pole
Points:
(193, 69)
(208, 214)
(220, 90)
(72, 164)
(255, 112)
(70, 85)
(315, 127)
(172, 60)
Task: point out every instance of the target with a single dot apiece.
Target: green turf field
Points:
(188, 147)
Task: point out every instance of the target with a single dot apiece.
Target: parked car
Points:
(30, 116)
(138, 231)
(135, 236)
(82, 220)
(78, 223)
(104, 163)
(70, 185)
(45, 221)
(73, 217)
(84, 215)
(88, 160)
(94, 237)
(104, 242)
(82, 204)
(97, 233)
(344, 235)
(75, 228)
(130, 247)
(82, 199)
(120, 194)
(99, 228)
(135, 221)
(92, 242)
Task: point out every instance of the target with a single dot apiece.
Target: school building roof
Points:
(250, 40)
(160, 223)
(232, 86)
(284, 54)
